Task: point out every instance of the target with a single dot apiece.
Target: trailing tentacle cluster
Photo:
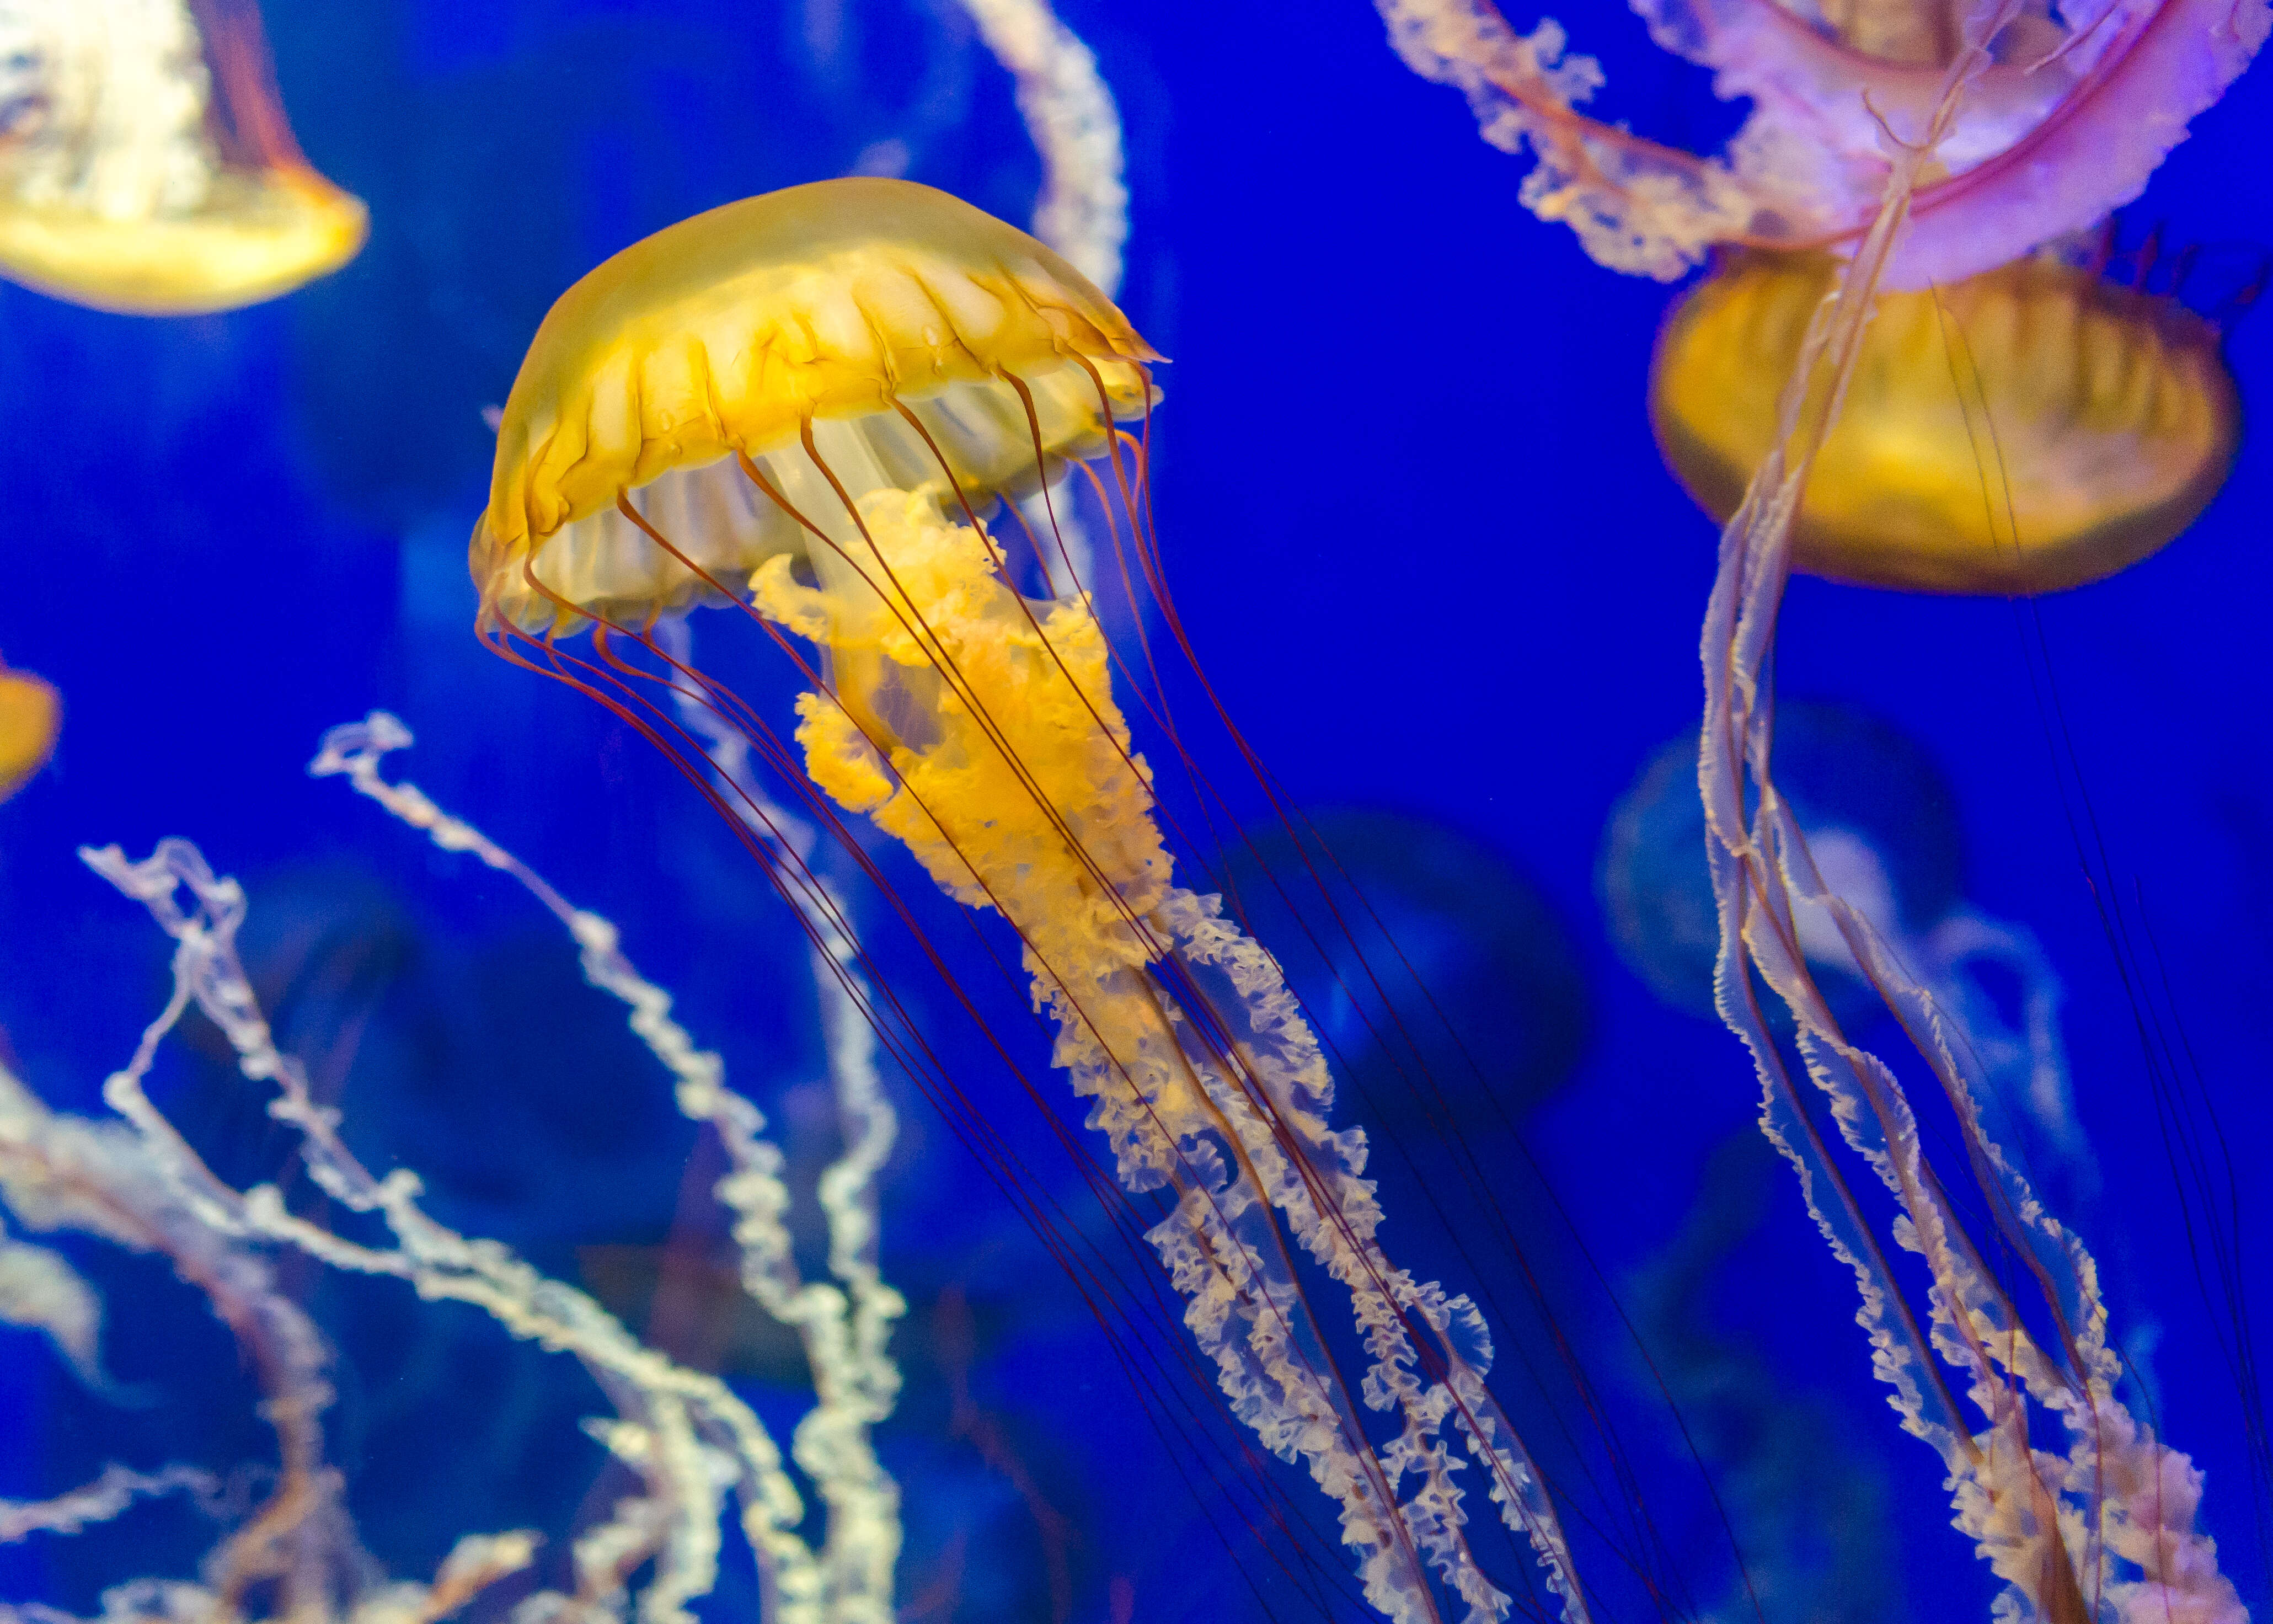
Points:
(983, 734)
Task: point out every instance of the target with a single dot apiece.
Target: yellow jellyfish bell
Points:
(2027, 429)
(31, 715)
(145, 165)
(848, 337)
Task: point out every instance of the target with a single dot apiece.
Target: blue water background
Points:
(1417, 527)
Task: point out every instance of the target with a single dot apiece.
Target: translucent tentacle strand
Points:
(2106, 1530)
(1016, 787)
(1084, 209)
(845, 1327)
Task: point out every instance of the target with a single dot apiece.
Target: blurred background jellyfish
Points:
(1873, 793)
(2024, 425)
(1801, 1482)
(2099, 417)
(31, 716)
(1404, 910)
(1883, 827)
(146, 164)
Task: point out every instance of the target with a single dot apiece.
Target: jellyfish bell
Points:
(843, 338)
(146, 164)
(2089, 423)
(2034, 427)
(31, 716)
(1421, 951)
(1879, 813)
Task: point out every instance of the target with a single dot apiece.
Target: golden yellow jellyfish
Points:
(2032, 427)
(145, 165)
(2087, 424)
(810, 405)
(31, 715)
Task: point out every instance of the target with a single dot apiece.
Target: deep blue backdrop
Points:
(1417, 527)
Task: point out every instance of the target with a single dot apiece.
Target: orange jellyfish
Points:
(809, 405)
(145, 165)
(2014, 422)
(2033, 427)
(31, 716)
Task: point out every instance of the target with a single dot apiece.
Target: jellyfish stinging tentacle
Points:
(826, 392)
(1027, 798)
(1084, 209)
(2107, 1528)
(1920, 406)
